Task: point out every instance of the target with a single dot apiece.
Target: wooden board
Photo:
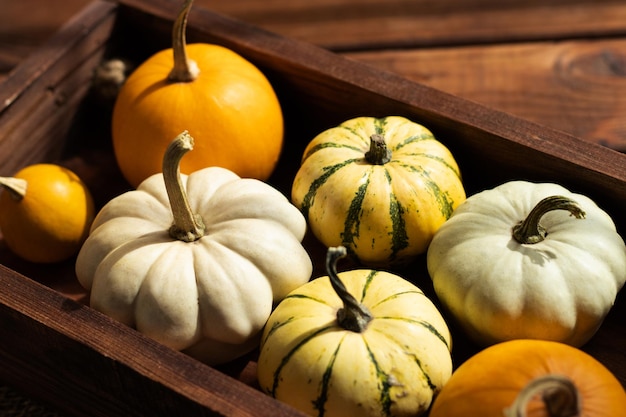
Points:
(574, 86)
(57, 348)
(558, 63)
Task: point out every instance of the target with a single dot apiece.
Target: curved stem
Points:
(378, 153)
(353, 316)
(530, 231)
(558, 393)
(185, 70)
(187, 225)
(15, 186)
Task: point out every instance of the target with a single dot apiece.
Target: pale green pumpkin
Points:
(553, 277)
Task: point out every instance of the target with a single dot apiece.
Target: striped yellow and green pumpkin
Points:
(381, 187)
(359, 343)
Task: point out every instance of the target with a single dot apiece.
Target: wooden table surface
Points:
(561, 63)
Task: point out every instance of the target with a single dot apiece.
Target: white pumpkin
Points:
(558, 288)
(207, 284)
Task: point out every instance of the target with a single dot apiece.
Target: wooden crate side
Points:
(41, 95)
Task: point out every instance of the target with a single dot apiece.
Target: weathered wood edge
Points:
(597, 170)
(87, 364)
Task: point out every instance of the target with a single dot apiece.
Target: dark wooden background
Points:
(561, 63)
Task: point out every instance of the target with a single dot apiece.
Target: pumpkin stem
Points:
(185, 69)
(530, 231)
(187, 226)
(15, 186)
(558, 393)
(353, 316)
(378, 153)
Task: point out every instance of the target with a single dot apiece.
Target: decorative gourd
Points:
(359, 343)
(527, 260)
(222, 99)
(196, 262)
(381, 187)
(45, 213)
(524, 377)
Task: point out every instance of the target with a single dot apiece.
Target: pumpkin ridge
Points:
(320, 401)
(396, 295)
(368, 282)
(412, 139)
(380, 124)
(399, 236)
(309, 198)
(325, 145)
(276, 326)
(429, 381)
(436, 158)
(285, 360)
(422, 323)
(353, 220)
(433, 387)
(384, 383)
(445, 204)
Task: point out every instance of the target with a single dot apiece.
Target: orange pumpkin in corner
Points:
(531, 378)
(46, 211)
(223, 100)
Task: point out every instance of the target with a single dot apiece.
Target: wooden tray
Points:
(56, 348)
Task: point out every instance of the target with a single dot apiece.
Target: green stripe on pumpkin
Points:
(385, 382)
(444, 202)
(415, 138)
(368, 280)
(291, 353)
(278, 325)
(417, 361)
(309, 198)
(320, 402)
(325, 145)
(429, 381)
(438, 159)
(432, 329)
(353, 216)
(306, 297)
(380, 124)
(399, 236)
(396, 296)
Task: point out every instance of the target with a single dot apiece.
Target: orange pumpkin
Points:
(525, 378)
(223, 100)
(45, 213)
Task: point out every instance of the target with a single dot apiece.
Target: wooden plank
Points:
(348, 25)
(87, 364)
(60, 350)
(578, 87)
(26, 24)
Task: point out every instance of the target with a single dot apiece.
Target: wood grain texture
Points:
(578, 86)
(372, 24)
(558, 62)
(60, 350)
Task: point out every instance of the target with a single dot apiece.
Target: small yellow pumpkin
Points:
(45, 213)
(223, 100)
(381, 187)
(359, 343)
